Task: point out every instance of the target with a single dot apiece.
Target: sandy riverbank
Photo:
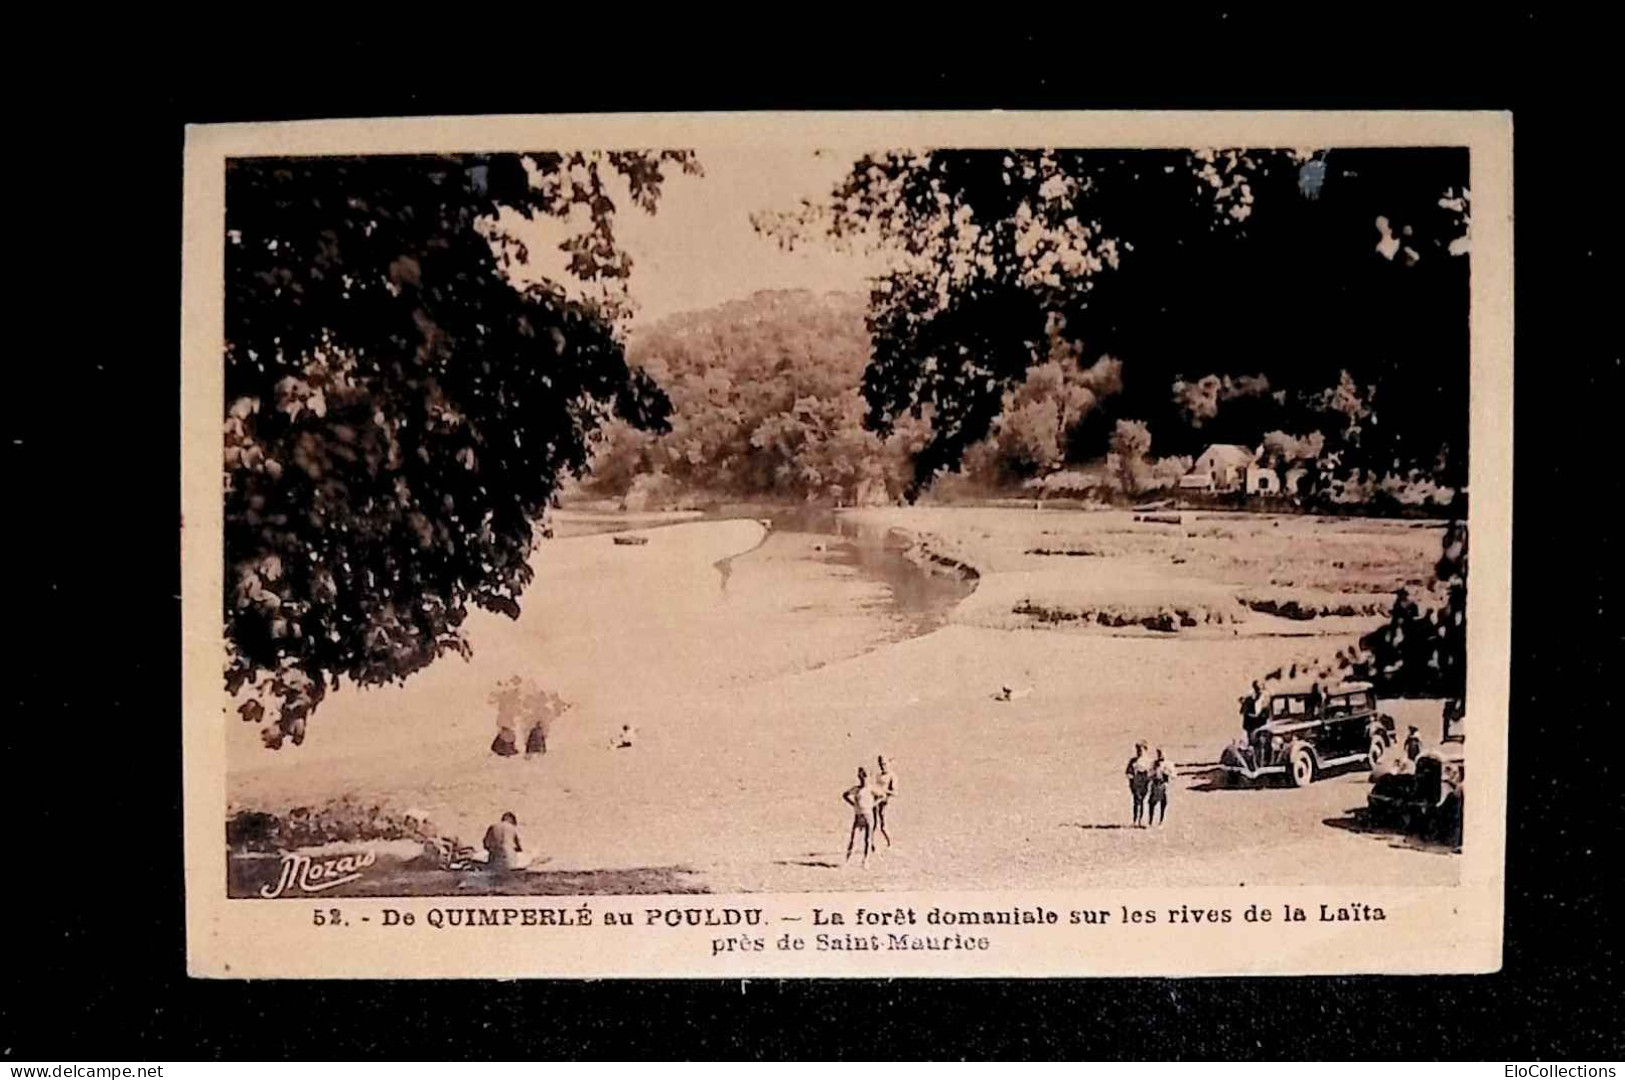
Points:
(648, 635)
(756, 704)
(1216, 574)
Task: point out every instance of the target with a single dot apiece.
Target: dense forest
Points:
(1192, 296)
(765, 403)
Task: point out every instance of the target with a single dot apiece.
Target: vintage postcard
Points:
(742, 545)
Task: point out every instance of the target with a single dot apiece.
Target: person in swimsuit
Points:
(862, 801)
(1139, 779)
(1161, 776)
(503, 846)
(885, 788)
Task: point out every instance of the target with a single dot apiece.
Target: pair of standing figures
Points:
(868, 801)
(1148, 780)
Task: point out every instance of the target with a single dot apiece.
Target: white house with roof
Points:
(1222, 467)
(1265, 480)
(1225, 467)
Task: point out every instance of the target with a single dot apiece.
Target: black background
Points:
(95, 947)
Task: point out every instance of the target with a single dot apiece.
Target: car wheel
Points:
(1302, 768)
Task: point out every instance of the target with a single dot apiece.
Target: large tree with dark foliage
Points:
(1243, 291)
(1422, 650)
(398, 412)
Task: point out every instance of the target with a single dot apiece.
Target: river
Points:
(820, 543)
(672, 636)
(628, 633)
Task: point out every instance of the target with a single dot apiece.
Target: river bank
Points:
(645, 635)
(1197, 574)
(757, 702)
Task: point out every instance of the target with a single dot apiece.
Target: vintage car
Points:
(1426, 798)
(1304, 733)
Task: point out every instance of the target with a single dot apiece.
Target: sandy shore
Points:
(757, 702)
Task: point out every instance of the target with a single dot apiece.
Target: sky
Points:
(699, 249)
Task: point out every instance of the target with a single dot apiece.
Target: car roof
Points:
(1302, 686)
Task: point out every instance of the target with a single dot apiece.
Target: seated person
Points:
(503, 846)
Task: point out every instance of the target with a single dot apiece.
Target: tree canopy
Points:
(765, 402)
(398, 413)
(1243, 291)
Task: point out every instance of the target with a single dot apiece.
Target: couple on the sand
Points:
(868, 802)
(1148, 780)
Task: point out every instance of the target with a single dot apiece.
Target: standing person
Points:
(1255, 711)
(1413, 746)
(1316, 702)
(1139, 779)
(1161, 776)
(536, 739)
(503, 846)
(885, 788)
(862, 801)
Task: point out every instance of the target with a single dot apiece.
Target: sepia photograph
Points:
(762, 542)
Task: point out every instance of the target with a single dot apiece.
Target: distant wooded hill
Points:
(767, 402)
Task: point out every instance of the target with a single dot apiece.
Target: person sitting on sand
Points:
(1139, 779)
(503, 846)
(1161, 776)
(885, 788)
(536, 739)
(624, 738)
(862, 801)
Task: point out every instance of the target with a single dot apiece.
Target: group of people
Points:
(506, 744)
(504, 850)
(868, 800)
(1148, 781)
